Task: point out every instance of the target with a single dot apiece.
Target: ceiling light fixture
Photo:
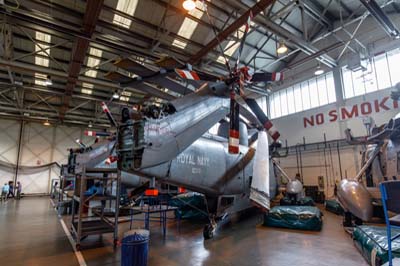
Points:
(48, 81)
(189, 5)
(282, 48)
(90, 124)
(46, 123)
(319, 70)
(115, 95)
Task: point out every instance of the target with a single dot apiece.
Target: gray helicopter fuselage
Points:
(203, 165)
(173, 149)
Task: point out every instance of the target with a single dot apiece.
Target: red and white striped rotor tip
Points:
(233, 147)
(272, 131)
(105, 107)
(186, 74)
(277, 76)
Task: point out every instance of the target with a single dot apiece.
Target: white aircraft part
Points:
(355, 198)
(259, 189)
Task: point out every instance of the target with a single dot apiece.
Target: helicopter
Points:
(380, 162)
(170, 143)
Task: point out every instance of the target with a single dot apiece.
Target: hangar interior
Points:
(144, 88)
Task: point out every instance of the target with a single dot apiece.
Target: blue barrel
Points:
(135, 248)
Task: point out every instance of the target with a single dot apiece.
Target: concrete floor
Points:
(31, 234)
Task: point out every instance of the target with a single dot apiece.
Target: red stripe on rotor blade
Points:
(90, 133)
(275, 135)
(194, 75)
(233, 133)
(268, 125)
(104, 107)
(233, 149)
(181, 73)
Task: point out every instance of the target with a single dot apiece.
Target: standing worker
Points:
(4, 192)
(11, 190)
(18, 188)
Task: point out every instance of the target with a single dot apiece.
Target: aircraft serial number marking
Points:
(196, 170)
(190, 159)
(160, 130)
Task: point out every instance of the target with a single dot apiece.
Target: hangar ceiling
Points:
(54, 54)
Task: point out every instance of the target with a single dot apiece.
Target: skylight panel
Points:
(42, 61)
(43, 42)
(189, 26)
(40, 79)
(126, 93)
(87, 88)
(93, 61)
(127, 7)
(86, 91)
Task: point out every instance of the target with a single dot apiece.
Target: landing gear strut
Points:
(349, 220)
(209, 229)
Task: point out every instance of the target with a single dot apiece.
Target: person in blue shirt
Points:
(11, 190)
(4, 192)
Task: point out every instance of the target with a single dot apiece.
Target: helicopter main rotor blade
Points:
(263, 118)
(249, 19)
(259, 187)
(234, 125)
(266, 77)
(109, 115)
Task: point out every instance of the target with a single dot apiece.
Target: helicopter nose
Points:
(356, 198)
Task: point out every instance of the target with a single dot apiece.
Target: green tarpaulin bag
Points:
(305, 201)
(371, 241)
(294, 217)
(333, 206)
(190, 206)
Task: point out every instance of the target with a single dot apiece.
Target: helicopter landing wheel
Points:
(208, 231)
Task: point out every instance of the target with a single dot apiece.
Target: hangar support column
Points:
(340, 102)
(337, 78)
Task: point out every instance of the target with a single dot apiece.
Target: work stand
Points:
(60, 194)
(83, 224)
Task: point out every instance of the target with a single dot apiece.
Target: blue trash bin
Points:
(135, 248)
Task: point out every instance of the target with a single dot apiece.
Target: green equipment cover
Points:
(371, 241)
(333, 206)
(294, 217)
(190, 206)
(305, 201)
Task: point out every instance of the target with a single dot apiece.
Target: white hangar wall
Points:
(334, 118)
(331, 120)
(38, 145)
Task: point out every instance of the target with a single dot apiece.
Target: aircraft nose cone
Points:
(355, 197)
(294, 187)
